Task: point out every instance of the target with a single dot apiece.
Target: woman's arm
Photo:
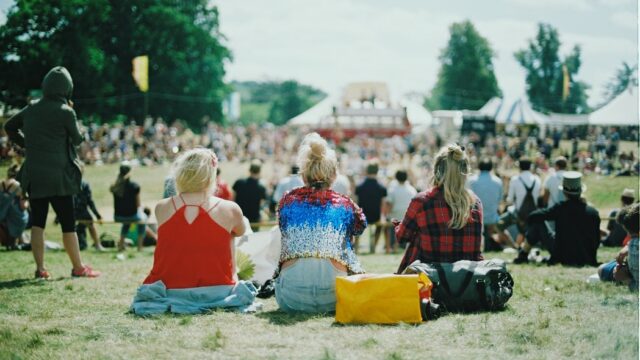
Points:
(407, 232)
(13, 127)
(239, 227)
(71, 125)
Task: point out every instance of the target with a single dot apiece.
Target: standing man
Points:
(577, 227)
(488, 188)
(398, 202)
(370, 195)
(249, 194)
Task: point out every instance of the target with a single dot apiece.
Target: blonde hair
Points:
(450, 172)
(318, 163)
(195, 170)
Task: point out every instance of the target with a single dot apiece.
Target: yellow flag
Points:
(141, 72)
(565, 82)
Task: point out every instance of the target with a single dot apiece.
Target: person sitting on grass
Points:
(13, 209)
(317, 226)
(126, 206)
(616, 233)
(82, 204)
(194, 261)
(443, 223)
(577, 227)
(625, 268)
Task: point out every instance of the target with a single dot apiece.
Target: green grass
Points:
(554, 313)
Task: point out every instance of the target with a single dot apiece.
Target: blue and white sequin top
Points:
(320, 224)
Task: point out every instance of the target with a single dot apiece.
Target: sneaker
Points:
(86, 271)
(43, 275)
(522, 258)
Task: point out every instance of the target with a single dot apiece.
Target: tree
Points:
(466, 79)
(545, 74)
(625, 77)
(97, 39)
(274, 101)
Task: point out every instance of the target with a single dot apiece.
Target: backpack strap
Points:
(529, 189)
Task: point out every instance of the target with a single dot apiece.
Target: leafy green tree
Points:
(626, 76)
(97, 39)
(545, 74)
(273, 101)
(466, 79)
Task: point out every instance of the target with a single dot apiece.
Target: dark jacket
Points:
(577, 232)
(49, 136)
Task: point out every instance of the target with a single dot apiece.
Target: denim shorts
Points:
(606, 273)
(309, 285)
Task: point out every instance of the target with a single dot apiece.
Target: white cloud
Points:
(331, 43)
(580, 5)
(625, 20)
(616, 3)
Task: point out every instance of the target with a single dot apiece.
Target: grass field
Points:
(554, 313)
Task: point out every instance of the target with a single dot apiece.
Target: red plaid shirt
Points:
(425, 227)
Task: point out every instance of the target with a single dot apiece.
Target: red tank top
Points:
(192, 255)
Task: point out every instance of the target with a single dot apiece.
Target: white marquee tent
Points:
(621, 111)
(418, 116)
(517, 112)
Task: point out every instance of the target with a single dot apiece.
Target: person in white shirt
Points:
(397, 201)
(288, 183)
(518, 185)
(551, 194)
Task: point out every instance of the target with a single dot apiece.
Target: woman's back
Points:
(193, 249)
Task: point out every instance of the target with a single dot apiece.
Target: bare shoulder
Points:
(229, 206)
(164, 209)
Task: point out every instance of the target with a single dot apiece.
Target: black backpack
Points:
(528, 204)
(467, 286)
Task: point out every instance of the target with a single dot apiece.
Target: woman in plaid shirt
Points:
(443, 223)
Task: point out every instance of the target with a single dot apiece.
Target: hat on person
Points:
(125, 169)
(628, 193)
(572, 183)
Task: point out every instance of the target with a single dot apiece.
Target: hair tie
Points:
(317, 184)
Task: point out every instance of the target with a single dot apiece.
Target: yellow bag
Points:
(381, 298)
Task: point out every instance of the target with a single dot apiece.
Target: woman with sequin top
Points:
(317, 226)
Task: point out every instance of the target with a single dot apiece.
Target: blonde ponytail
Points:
(450, 173)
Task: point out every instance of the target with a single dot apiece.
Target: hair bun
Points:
(317, 150)
(456, 152)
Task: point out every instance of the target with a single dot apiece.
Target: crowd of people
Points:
(434, 210)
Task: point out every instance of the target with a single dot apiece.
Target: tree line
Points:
(97, 40)
(466, 79)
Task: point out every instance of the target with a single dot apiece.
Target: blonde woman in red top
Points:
(195, 250)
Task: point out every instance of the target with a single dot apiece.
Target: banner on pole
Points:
(141, 72)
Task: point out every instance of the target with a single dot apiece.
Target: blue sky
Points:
(332, 42)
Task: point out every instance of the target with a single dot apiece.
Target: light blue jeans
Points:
(309, 285)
